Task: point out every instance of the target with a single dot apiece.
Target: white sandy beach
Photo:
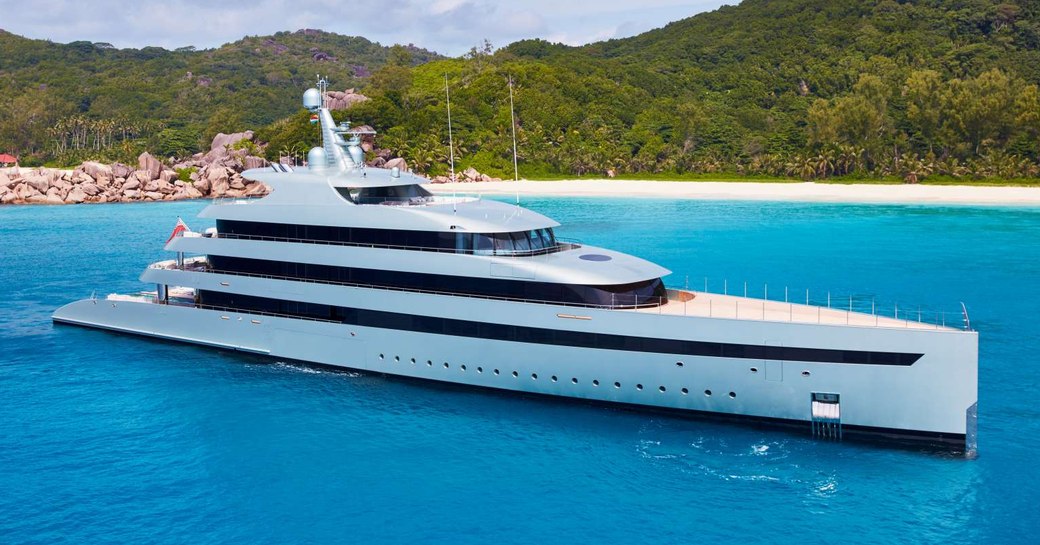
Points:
(802, 192)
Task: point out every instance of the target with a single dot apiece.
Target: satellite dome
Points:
(312, 99)
(317, 159)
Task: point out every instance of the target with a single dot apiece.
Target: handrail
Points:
(561, 246)
(251, 311)
(427, 200)
(637, 302)
(852, 303)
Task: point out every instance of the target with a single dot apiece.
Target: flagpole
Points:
(512, 119)
(180, 255)
(451, 142)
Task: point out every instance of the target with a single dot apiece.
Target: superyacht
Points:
(364, 268)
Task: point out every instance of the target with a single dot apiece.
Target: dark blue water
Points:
(114, 439)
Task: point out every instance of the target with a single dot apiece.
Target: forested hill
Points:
(804, 88)
(828, 41)
(770, 83)
(190, 94)
(800, 88)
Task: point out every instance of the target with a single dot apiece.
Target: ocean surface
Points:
(107, 438)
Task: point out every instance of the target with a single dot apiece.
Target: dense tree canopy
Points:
(803, 88)
(798, 88)
(165, 101)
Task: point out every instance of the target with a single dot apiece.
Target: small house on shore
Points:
(7, 160)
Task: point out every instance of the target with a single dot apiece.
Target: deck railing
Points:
(851, 304)
(562, 244)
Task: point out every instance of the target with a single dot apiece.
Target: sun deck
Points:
(713, 305)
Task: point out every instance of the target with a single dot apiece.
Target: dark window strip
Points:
(506, 332)
(520, 243)
(637, 294)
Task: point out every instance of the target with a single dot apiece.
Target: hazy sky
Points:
(446, 26)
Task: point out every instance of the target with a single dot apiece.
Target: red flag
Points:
(180, 228)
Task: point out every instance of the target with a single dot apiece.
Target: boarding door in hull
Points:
(774, 368)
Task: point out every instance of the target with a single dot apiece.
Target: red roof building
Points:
(6, 159)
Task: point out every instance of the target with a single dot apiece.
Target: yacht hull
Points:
(929, 402)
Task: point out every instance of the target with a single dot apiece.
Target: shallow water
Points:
(109, 438)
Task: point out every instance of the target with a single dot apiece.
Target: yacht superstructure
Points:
(364, 268)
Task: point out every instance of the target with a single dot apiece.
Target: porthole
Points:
(806, 373)
(352, 334)
(754, 369)
(413, 361)
(574, 380)
(639, 387)
(707, 393)
(534, 376)
(429, 363)
(397, 358)
(463, 367)
(515, 374)
(732, 395)
(480, 369)
(617, 384)
(595, 383)
(685, 391)
(380, 356)
(679, 364)
(496, 371)
(445, 365)
(554, 378)
(661, 389)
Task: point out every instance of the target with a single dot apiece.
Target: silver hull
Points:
(928, 401)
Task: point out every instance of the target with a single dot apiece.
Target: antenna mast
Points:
(323, 87)
(512, 119)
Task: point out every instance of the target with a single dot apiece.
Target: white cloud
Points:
(450, 27)
(445, 6)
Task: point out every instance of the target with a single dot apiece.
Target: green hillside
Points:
(99, 98)
(796, 88)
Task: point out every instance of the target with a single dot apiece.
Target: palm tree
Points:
(823, 163)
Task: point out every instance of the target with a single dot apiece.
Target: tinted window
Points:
(520, 242)
(649, 292)
(450, 241)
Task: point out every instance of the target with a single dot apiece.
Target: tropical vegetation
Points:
(63, 103)
(808, 89)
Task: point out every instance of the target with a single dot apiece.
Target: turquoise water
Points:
(114, 439)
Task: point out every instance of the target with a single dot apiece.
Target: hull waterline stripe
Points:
(557, 337)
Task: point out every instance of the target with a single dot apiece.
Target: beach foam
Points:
(758, 191)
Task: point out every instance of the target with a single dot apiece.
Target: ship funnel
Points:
(312, 99)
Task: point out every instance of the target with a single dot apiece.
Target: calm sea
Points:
(115, 439)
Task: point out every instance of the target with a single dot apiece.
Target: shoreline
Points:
(761, 191)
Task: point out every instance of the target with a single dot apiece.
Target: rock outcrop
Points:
(150, 164)
(215, 174)
(469, 175)
(222, 140)
(396, 163)
(341, 100)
